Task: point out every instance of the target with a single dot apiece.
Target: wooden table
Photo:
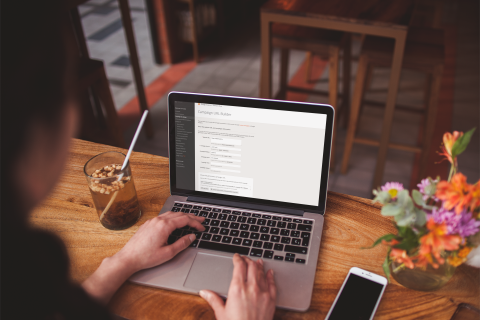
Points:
(384, 18)
(350, 223)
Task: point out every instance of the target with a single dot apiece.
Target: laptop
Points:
(257, 170)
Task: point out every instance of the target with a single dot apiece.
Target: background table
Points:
(350, 223)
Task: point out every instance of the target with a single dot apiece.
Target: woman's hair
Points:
(38, 78)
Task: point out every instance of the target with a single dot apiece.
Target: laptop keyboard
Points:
(249, 233)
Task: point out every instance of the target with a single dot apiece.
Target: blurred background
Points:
(215, 47)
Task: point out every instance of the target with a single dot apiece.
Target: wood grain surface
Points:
(350, 223)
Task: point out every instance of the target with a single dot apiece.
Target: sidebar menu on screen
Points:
(185, 144)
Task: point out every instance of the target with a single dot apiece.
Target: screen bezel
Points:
(252, 103)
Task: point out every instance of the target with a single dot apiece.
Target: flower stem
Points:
(400, 267)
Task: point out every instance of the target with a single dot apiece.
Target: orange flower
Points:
(448, 142)
(475, 194)
(437, 240)
(464, 252)
(422, 261)
(390, 243)
(455, 194)
(400, 256)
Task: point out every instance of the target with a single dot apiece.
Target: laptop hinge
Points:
(246, 205)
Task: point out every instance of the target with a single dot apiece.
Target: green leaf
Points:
(418, 198)
(404, 200)
(386, 268)
(386, 237)
(421, 217)
(381, 196)
(391, 209)
(407, 244)
(461, 144)
(405, 219)
(402, 231)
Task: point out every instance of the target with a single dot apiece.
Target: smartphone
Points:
(359, 296)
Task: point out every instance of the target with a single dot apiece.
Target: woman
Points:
(39, 116)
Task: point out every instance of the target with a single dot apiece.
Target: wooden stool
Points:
(326, 44)
(424, 52)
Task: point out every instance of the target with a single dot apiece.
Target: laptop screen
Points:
(256, 153)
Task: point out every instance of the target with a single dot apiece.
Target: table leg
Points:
(194, 30)
(347, 62)
(137, 73)
(266, 66)
(390, 108)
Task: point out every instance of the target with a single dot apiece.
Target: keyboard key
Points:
(295, 249)
(300, 261)
(254, 235)
(197, 207)
(266, 217)
(223, 247)
(286, 240)
(305, 242)
(295, 234)
(234, 225)
(279, 258)
(287, 219)
(296, 242)
(292, 226)
(187, 206)
(236, 212)
(290, 255)
(257, 244)
(297, 220)
(281, 224)
(178, 204)
(198, 234)
(244, 227)
(213, 215)
(244, 234)
(194, 244)
(222, 216)
(251, 220)
(207, 209)
(304, 227)
(256, 253)
(195, 212)
(306, 235)
(265, 237)
(271, 223)
(276, 218)
(268, 254)
(206, 222)
(278, 247)
(224, 224)
(289, 259)
(226, 211)
(216, 238)
(247, 242)
(234, 233)
(225, 232)
(214, 230)
(274, 231)
(308, 221)
(256, 215)
(206, 236)
(285, 232)
(242, 219)
(237, 241)
(205, 214)
(186, 210)
(275, 239)
(226, 239)
(261, 222)
(232, 218)
(246, 214)
(215, 223)
(264, 229)
(175, 209)
(267, 245)
(254, 228)
(216, 210)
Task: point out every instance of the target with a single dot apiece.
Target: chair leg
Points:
(354, 110)
(347, 62)
(334, 54)
(430, 118)
(308, 73)
(284, 58)
(367, 86)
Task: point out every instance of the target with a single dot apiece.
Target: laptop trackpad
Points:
(210, 272)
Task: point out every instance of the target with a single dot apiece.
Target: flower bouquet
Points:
(437, 225)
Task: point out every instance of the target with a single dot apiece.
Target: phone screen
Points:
(357, 300)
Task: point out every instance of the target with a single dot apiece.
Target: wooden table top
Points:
(394, 13)
(350, 223)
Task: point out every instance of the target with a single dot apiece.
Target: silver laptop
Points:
(257, 170)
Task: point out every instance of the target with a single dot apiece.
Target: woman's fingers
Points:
(215, 302)
(239, 269)
(272, 287)
(178, 246)
(260, 278)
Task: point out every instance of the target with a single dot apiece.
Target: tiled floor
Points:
(234, 70)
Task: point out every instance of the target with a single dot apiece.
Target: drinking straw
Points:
(132, 144)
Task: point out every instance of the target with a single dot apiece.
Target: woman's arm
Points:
(146, 249)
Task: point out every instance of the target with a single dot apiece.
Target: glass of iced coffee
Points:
(113, 190)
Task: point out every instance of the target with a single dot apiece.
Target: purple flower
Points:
(392, 188)
(462, 224)
(427, 188)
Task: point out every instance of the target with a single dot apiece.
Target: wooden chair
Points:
(424, 52)
(327, 44)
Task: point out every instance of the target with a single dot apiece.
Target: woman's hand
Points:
(147, 248)
(252, 293)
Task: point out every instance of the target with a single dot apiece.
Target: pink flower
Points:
(392, 188)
